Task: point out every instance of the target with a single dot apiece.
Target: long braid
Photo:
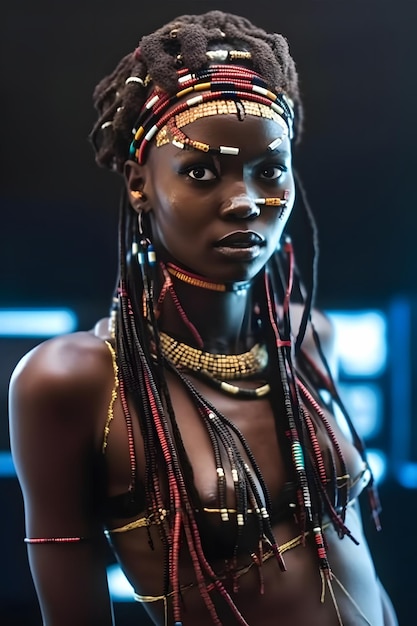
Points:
(171, 497)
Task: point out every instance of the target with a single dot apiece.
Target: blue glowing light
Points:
(36, 322)
(378, 463)
(403, 443)
(120, 588)
(364, 402)
(360, 338)
(407, 475)
(7, 468)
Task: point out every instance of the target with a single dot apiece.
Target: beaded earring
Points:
(144, 251)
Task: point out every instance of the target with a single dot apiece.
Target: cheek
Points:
(176, 206)
(285, 214)
(174, 215)
(177, 224)
(282, 215)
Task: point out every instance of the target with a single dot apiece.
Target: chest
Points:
(248, 433)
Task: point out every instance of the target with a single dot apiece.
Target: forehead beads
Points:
(216, 84)
(171, 132)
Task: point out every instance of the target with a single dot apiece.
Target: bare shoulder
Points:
(67, 377)
(67, 362)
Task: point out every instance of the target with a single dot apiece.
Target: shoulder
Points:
(68, 361)
(69, 375)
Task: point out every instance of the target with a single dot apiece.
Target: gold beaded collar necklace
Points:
(219, 366)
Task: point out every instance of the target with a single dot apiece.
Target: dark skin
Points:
(60, 395)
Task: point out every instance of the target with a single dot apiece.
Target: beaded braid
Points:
(150, 396)
(302, 447)
(309, 367)
(147, 81)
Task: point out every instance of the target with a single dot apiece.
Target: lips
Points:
(242, 246)
(240, 239)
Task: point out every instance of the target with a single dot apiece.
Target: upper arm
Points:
(54, 407)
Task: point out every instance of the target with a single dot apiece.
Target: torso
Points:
(294, 595)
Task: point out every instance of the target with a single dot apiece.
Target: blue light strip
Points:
(400, 334)
(7, 468)
(36, 322)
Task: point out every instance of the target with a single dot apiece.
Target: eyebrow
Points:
(184, 155)
(277, 150)
(268, 153)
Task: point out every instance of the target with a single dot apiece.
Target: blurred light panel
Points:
(120, 588)
(378, 463)
(360, 341)
(403, 441)
(364, 403)
(36, 322)
(407, 475)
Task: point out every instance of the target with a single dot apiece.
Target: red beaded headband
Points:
(217, 82)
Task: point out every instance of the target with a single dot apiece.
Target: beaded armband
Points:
(49, 540)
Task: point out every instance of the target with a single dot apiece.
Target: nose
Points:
(240, 207)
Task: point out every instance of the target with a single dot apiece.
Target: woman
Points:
(195, 425)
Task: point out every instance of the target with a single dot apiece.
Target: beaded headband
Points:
(219, 85)
(171, 131)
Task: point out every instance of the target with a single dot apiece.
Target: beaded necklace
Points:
(216, 369)
(225, 366)
(199, 281)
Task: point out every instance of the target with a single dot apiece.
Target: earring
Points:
(145, 254)
(136, 194)
(144, 248)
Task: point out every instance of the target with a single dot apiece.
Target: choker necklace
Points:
(246, 393)
(199, 281)
(219, 366)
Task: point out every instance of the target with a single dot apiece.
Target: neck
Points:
(220, 314)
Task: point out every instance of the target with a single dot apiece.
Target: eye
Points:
(271, 172)
(200, 172)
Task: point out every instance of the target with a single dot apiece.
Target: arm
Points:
(390, 618)
(58, 396)
(324, 328)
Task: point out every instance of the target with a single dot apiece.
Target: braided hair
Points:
(171, 497)
(184, 41)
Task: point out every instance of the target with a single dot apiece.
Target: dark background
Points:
(356, 61)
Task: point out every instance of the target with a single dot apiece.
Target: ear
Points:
(135, 178)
